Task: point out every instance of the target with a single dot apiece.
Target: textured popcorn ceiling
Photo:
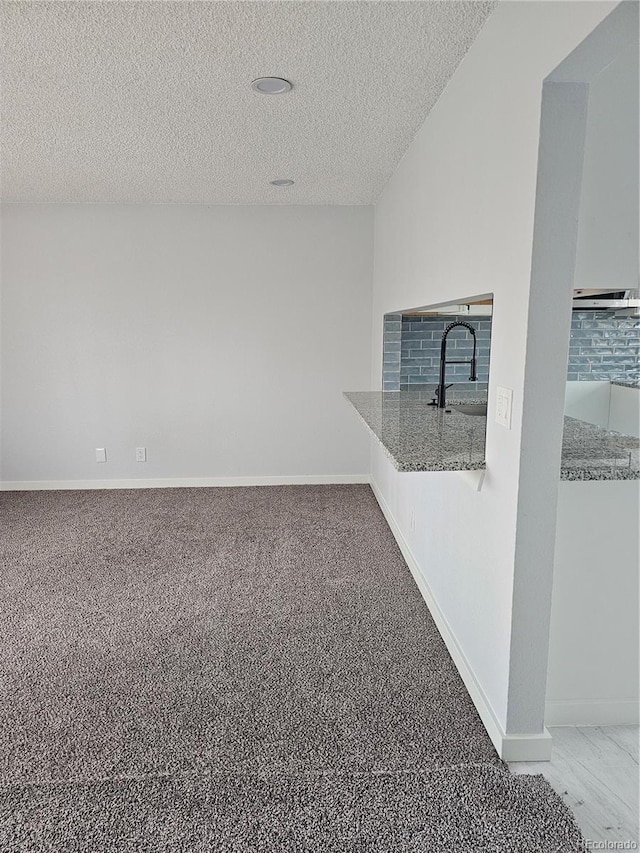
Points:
(151, 101)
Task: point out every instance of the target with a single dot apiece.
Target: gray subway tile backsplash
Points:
(420, 342)
(427, 332)
(601, 347)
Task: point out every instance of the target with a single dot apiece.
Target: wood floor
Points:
(595, 770)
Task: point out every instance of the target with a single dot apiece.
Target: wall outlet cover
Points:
(101, 454)
(141, 454)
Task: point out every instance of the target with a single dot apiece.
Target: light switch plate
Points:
(504, 398)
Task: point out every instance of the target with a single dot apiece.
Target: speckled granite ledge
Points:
(419, 437)
(626, 383)
(592, 453)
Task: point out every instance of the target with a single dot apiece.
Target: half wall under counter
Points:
(419, 437)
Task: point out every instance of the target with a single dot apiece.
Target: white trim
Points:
(181, 482)
(525, 747)
(593, 712)
(510, 747)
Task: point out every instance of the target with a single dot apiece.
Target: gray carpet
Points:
(237, 669)
(462, 810)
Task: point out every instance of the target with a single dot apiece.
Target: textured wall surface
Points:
(412, 356)
(392, 351)
(420, 353)
(603, 346)
(151, 102)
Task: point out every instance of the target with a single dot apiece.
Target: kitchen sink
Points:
(471, 409)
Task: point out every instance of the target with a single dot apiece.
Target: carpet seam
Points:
(310, 774)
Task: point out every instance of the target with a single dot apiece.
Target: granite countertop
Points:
(419, 437)
(626, 383)
(592, 453)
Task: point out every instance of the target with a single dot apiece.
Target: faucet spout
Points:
(442, 387)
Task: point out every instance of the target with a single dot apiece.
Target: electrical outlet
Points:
(101, 454)
(141, 454)
(412, 520)
(504, 399)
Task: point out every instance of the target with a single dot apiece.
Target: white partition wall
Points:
(594, 641)
(457, 219)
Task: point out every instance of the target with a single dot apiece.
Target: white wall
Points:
(624, 410)
(588, 401)
(608, 226)
(456, 219)
(613, 407)
(221, 338)
(593, 647)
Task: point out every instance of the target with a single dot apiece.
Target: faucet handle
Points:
(436, 399)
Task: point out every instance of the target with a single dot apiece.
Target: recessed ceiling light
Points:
(271, 85)
(282, 182)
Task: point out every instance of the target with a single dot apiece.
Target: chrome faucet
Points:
(442, 388)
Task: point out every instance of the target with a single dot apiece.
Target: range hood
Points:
(627, 302)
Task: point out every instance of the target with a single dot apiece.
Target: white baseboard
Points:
(182, 482)
(593, 712)
(510, 747)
